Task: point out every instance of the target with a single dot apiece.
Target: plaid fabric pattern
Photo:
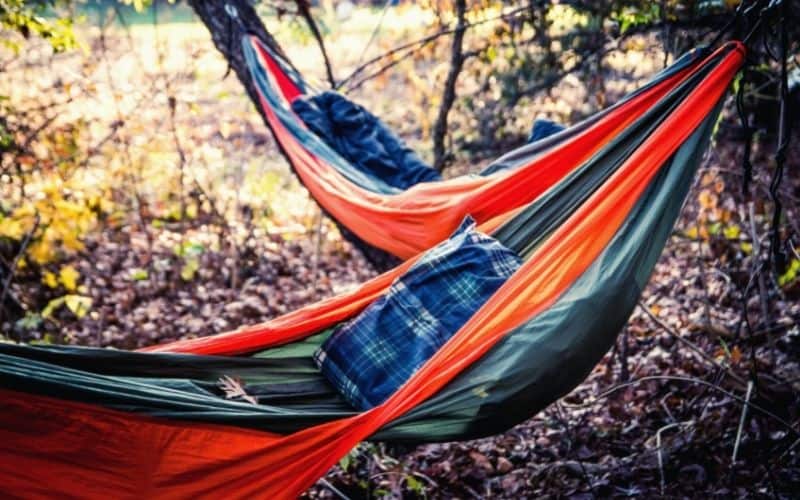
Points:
(372, 355)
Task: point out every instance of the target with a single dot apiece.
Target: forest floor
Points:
(661, 415)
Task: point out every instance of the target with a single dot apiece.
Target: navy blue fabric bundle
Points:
(541, 129)
(544, 128)
(368, 358)
(361, 138)
(364, 141)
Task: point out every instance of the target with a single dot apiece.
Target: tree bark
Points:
(449, 93)
(227, 22)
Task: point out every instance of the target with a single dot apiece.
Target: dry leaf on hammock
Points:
(233, 389)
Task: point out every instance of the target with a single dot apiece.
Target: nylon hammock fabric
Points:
(406, 222)
(105, 423)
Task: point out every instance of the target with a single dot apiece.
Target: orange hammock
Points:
(408, 222)
(603, 250)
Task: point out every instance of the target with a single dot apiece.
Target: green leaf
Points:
(791, 273)
(31, 321)
(47, 339)
(415, 485)
(189, 249)
(491, 53)
(725, 347)
(139, 274)
(345, 462)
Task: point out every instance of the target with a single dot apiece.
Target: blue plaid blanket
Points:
(369, 357)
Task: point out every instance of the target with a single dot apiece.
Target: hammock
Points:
(106, 423)
(402, 223)
(383, 219)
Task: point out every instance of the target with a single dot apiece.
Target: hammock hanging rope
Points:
(113, 423)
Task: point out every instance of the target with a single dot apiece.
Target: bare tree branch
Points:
(15, 263)
(449, 92)
(418, 44)
(304, 9)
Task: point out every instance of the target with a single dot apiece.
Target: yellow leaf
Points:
(791, 273)
(52, 306)
(707, 199)
(225, 130)
(191, 211)
(71, 242)
(732, 232)
(41, 252)
(69, 277)
(11, 228)
(78, 304)
(189, 269)
(50, 279)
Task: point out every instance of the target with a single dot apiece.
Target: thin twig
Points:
(622, 356)
(659, 454)
(692, 380)
(324, 482)
(13, 267)
(317, 252)
(375, 30)
(547, 83)
(421, 42)
(691, 345)
(126, 150)
(757, 266)
(565, 424)
(741, 422)
(304, 9)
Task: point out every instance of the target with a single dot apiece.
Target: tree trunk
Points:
(228, 21)
(449, 93)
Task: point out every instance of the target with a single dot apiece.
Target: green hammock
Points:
(590, 243)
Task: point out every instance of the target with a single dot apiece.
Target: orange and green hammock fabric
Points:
(403, 223)
(103, 423)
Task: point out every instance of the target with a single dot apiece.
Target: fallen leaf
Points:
(69, 277)
(233, 389)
